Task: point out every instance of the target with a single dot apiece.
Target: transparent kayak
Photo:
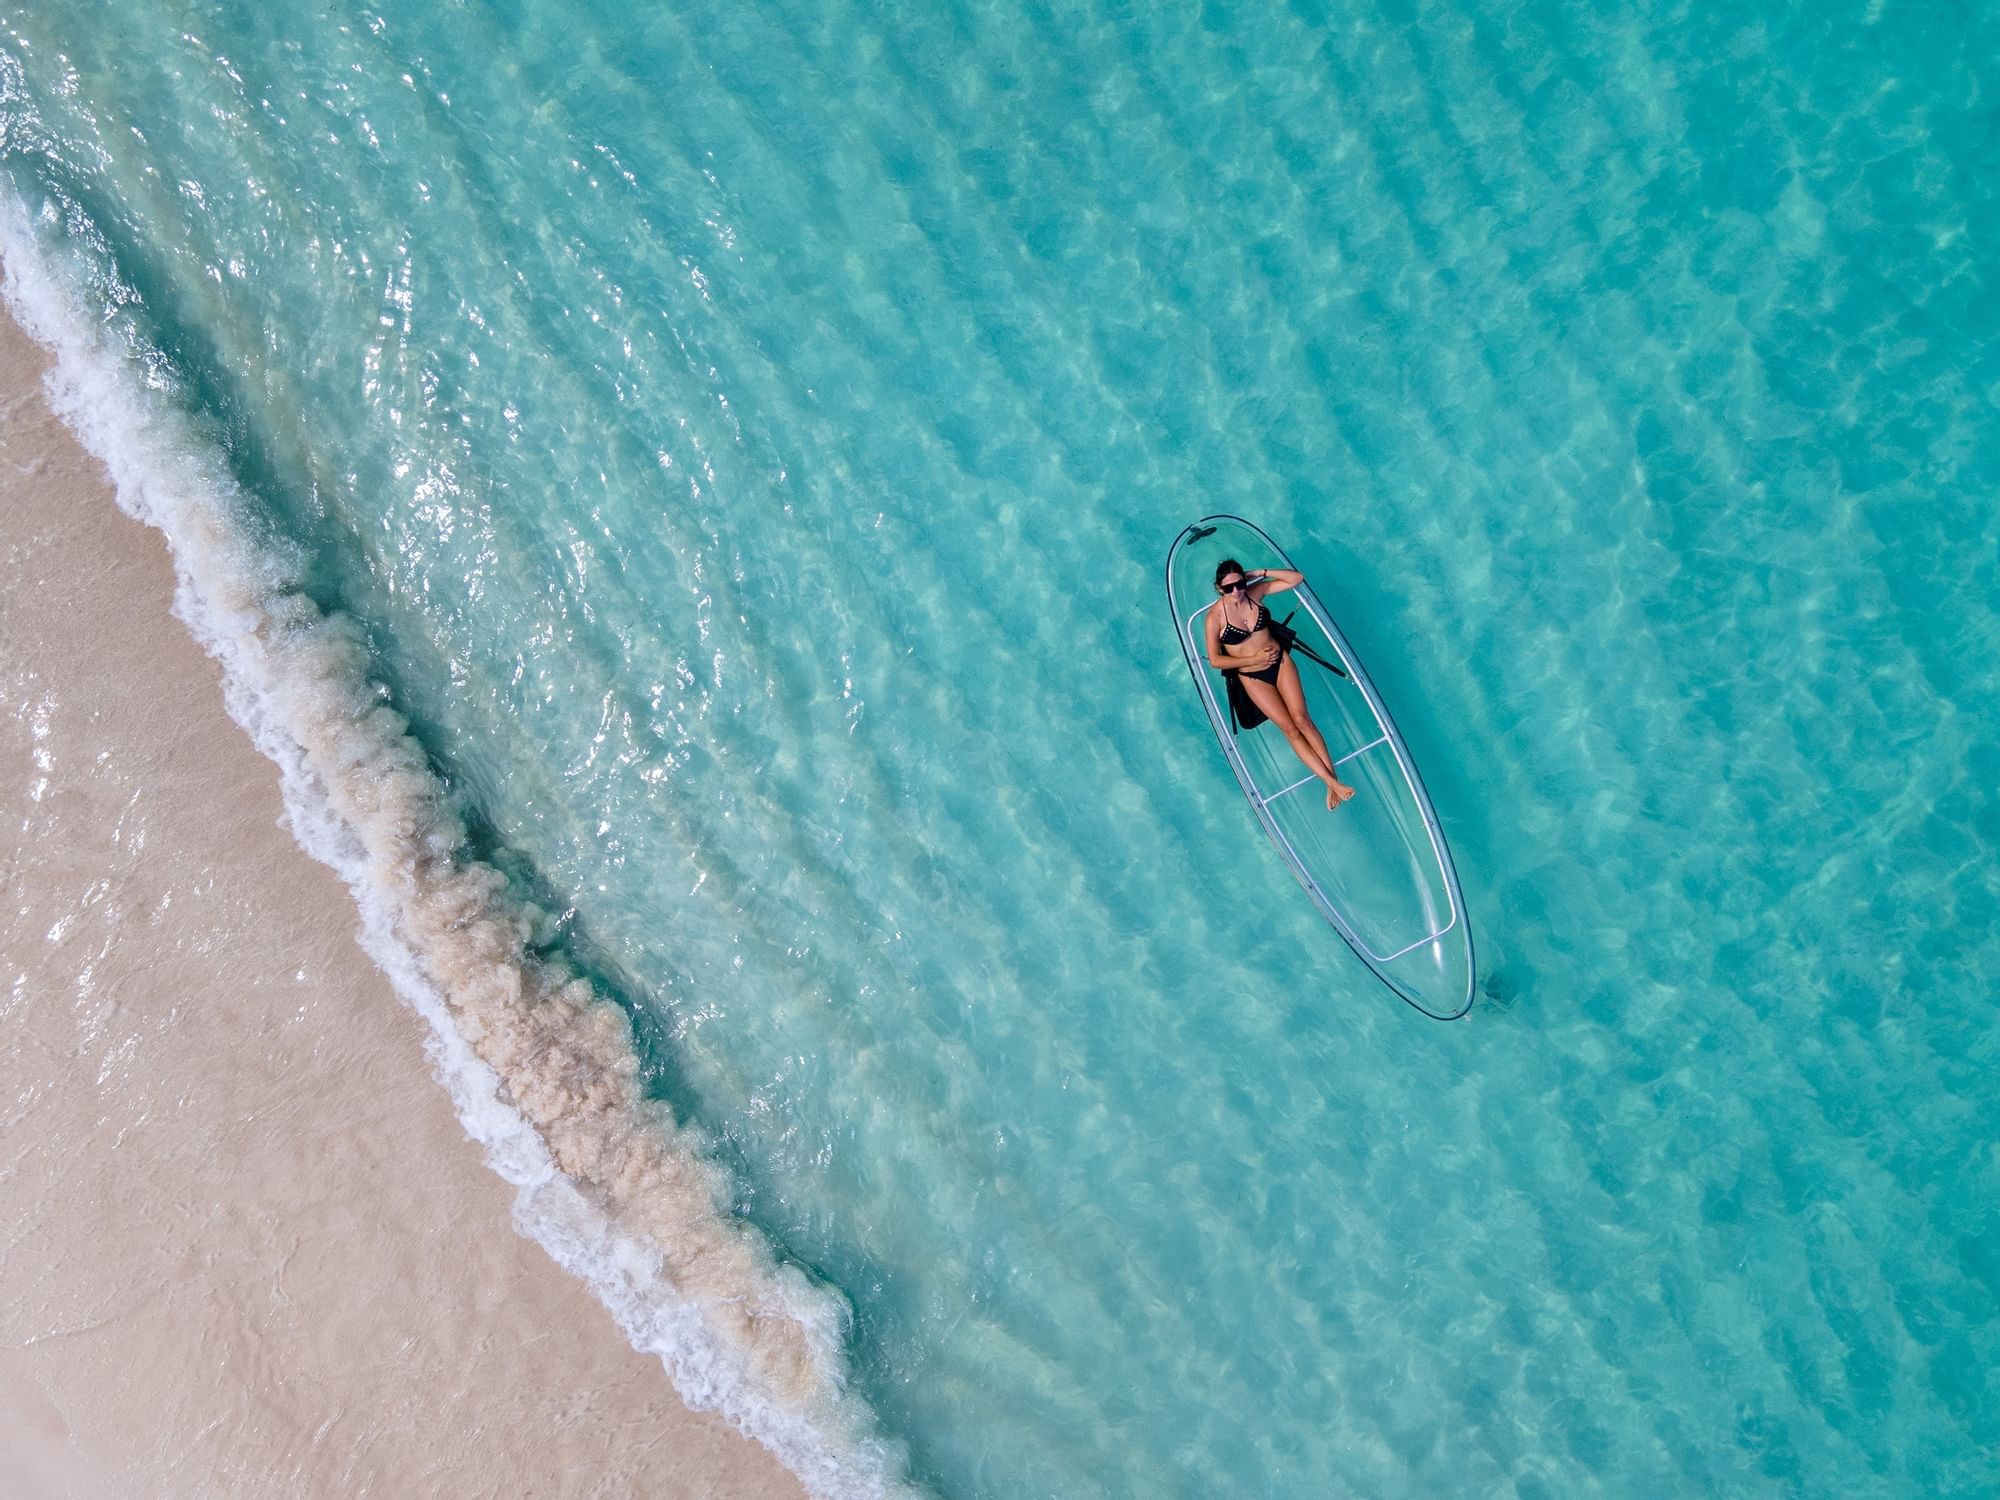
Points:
(1377, 867)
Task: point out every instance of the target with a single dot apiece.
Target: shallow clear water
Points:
(750, 437)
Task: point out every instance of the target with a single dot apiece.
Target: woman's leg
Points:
(1293, 692)
(1267, 697)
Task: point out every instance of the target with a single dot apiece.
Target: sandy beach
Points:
(249, 1250)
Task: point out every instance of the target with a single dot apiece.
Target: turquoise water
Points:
(749, 438)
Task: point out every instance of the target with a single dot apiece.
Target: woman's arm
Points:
(1274, 581)
(1212, 638)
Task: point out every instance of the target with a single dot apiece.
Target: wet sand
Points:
(247, 1248)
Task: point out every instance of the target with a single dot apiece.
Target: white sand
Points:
(245, 1247)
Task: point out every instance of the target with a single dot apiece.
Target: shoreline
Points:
(255, 1251)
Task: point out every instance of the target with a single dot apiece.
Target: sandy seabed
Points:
(245, 1246)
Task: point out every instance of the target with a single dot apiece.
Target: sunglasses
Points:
(1236, 587)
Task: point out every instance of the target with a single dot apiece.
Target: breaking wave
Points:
(541, 1067)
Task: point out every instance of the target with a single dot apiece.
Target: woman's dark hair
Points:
(1224, 568)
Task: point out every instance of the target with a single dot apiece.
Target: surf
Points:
(540, 1066)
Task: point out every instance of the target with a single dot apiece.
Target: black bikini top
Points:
(1231, 634)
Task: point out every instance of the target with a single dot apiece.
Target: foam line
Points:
(540, 1066)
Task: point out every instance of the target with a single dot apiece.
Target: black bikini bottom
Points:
(1248, 715)
(1244, 713)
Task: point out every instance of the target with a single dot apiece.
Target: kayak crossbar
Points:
(1267, 801)
(1381, 739)
(1422, 940)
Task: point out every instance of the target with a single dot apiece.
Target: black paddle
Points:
(1289, 639)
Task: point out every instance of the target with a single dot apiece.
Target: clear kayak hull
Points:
(1378, 867)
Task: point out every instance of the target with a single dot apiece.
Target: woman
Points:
(1241, 642)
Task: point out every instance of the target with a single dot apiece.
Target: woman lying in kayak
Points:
(1241, 641)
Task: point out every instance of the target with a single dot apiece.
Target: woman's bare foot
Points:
(1337, 792)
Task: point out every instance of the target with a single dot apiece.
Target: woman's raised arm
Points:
(1274, 581)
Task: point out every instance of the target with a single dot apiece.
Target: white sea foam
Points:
(542, 1069)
